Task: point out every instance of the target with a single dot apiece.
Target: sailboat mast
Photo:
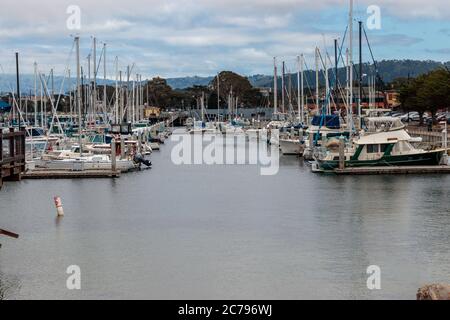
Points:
(317, 80)
(275, 86)
(283, 105)
(350, 28)
(77, 41)
(302, 75)
(19, 103)
(104, 79)
(360, 74)
(298, 88)
(94, 90)
(35, 95)
(218, 97)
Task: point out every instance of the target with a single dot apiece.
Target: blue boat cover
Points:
(329, 121)
(4, 106)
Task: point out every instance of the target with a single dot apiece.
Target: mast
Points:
(275, 86)
(336, 79)
(283, 102)
(350, 28)
(302, 75)
(317, 80)
(122, 102)
(104, 78)
(218, 97)
(298, 89)
(94, 87)
(327, 85)
(360, 74)
(35, 95)
(77, 41)
(42, 105)
(19, 103)
(202, 105)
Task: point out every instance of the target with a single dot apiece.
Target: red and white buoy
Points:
(59, 207)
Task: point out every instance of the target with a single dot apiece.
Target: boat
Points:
(386, 148)
(94, 162)
(291, 146)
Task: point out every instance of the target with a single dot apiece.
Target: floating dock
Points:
(68, 174)
(392, 170)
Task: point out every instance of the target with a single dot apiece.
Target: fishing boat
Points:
(386, 148)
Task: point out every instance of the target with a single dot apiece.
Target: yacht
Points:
(382, 148)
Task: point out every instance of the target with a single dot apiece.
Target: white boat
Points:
(289, 146)
(384, 148)
(95, 162)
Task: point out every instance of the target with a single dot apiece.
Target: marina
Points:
(272, 158)
(136, 238)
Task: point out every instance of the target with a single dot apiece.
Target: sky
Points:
(174, 38)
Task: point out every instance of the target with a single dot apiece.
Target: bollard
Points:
(113, 155)
(341, 153)
(58, 205)
(122, 147)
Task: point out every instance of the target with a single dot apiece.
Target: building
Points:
(152, 112)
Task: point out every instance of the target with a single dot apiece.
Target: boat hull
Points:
(291, 147)
(431, 158)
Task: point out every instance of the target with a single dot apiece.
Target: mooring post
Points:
(122, 147)
(139, 142)
(113, 156)
(341, 153)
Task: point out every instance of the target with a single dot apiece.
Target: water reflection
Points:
(9, 286)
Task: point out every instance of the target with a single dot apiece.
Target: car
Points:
(442, 116)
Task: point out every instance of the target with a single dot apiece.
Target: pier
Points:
(12, 155)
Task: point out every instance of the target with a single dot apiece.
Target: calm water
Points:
(225, 232)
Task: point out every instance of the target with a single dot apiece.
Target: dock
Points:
(392, 170)
(12, 155)
(69, 174)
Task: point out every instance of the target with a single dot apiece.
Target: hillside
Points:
(388, 70)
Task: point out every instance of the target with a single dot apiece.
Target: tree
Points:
(434, 91)
(159, 93)
(240, 87)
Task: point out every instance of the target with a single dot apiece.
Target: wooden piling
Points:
(341, 153)
(113, 155)
(12, 163)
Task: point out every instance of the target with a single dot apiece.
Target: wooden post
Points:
(139, 143)
(113, 156)
(122, 148)
(341, 153)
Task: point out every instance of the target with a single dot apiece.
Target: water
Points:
(225, 232)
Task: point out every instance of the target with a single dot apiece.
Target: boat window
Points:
(383, 148)
(373, 148)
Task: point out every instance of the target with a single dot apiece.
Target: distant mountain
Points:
(186, 82)
(388, 70)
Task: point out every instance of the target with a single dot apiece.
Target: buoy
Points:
(59, 208)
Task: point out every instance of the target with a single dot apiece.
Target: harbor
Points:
(169, 162)
(137, 237)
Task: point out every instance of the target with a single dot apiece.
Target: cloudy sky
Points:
(200, 37)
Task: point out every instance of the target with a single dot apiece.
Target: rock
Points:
(434, 292)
